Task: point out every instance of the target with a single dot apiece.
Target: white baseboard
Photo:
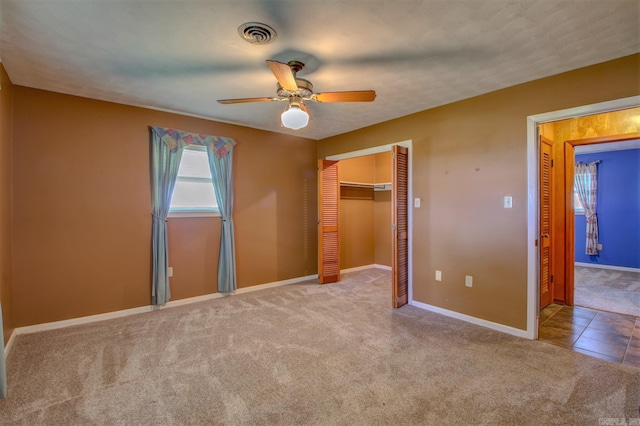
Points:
(143, 309)
(473, 320)
(613, 267)
(9, 344)
(275, 284)
(356, 269)
(385, 267)
(365, 267)
(81, 320)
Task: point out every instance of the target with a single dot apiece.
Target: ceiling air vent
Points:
(257, 33)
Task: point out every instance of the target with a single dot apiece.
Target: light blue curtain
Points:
(3, 368)
(220, 154)
(165, 160)
(166, 151)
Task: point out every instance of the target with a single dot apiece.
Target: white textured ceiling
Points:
(606, 147)
(183, 55)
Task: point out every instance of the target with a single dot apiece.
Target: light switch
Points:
(508, 202)
(438, 275)
(416, 203)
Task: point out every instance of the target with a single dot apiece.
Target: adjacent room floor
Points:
(606, 335)
(607, 290)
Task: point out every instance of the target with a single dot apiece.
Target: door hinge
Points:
(551, 278)
(552, 163)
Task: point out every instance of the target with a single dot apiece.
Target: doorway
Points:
(564, 243)
(402, 160)
(533, 205)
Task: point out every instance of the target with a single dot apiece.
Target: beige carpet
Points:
(307, 354)
(607, 290)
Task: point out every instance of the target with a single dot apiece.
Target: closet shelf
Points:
(374, 186)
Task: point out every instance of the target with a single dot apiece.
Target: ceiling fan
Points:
(296, 91)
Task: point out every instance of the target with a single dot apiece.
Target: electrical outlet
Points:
(468, 281)
(170, 271)
(508, 202)
(599, 246)
(438, 275)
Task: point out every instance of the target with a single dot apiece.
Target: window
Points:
(578, 208)
(577, 205)
(193, 194)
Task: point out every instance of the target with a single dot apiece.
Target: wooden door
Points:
(328, 214)
(400, 226)
(546, 276)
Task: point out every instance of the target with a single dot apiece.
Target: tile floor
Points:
(605, 335)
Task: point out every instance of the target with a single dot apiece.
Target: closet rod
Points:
(375, 186)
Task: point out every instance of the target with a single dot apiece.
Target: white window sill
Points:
(579, 212)
(194, 213)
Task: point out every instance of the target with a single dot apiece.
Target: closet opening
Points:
(364, 219)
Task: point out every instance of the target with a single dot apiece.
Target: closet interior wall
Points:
(365, 213)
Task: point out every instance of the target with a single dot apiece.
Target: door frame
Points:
(570, 156)
(533, 196)
(387, 148)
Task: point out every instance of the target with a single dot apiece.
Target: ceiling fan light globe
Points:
(294, 118)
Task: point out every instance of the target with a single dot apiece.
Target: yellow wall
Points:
(82, 208)
(6, 125)
(466, 157)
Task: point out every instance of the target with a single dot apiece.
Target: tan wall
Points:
(6, 125)
(383, 166)
(382, 227)
(466, 157)
(365, 215)
(193, 241)
(356, 227)
(382, 210)
(82, 223)
(356, 212)
(358, 169)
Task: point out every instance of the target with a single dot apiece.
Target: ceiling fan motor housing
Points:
(305, 89)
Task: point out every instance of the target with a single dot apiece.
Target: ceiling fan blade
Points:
(284, 75)
(306, 109)
(245, 100)
(356, 96)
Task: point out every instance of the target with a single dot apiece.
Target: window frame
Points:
(194, 211)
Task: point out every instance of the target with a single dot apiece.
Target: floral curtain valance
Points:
(174, 138)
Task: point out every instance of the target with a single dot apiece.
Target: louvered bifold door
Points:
(328, 213)
(400, 226)
(546, 293)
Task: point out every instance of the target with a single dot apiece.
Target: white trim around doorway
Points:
(533, 287)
